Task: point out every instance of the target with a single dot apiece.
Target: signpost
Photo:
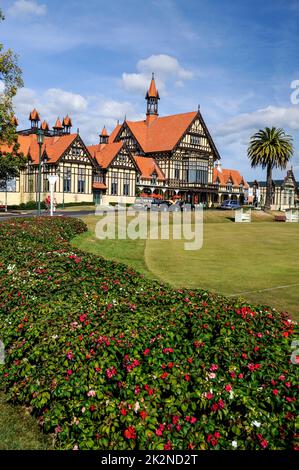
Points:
(52, 180)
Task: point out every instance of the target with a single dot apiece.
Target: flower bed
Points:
(108, 360)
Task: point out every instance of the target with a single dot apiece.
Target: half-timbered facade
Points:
(62, 153)
(181, 146)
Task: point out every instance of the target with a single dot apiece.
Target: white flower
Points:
(256, 423)
(234, 444)
(231, 395)
(54, 336)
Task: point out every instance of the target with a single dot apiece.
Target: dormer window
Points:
(154, 178)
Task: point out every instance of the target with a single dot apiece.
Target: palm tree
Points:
(270, 148)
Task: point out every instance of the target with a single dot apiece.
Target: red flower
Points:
(288, 384)
(159, 431)
(240, 376)
(217, 434)
(221, 404)
(214, 407)
(123, 411)
(164, 375)
(213, 367)
(264, 443)
(178, 427)
(130, 433)
(168, 446)
(275, 391)
(228, 387)
(190, 360)
(193, 420)
(111, 372)
(143, 414)
(146, 352)
(92, 408)
(209, 395)
(170, 365)
(175, 419)
(137, 390)
(69, 372)
(167, 350)
(187, 378)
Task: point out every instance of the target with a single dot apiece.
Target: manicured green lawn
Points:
(256, 261)
(19, 430)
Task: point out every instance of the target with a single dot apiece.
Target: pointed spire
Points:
(152, 97)
(57, 124)
(44, 126)
(104, 136)
(152, 91)
(34, 118)
(67, 122)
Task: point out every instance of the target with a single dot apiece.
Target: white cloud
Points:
(89, 113)
(286, 117)
(27, 8)
(60, 99)
(165, 67)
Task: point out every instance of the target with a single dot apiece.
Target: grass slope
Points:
(235, 259)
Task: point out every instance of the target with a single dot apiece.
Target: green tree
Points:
(10, 80)
(270, 148)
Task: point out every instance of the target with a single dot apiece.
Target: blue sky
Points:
(94, 59)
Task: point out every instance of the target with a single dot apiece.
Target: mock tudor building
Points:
(175, 157)
(167, 157)
(62, 152)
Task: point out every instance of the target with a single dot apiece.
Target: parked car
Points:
(230, 204)
(185, 206)
(160, 205)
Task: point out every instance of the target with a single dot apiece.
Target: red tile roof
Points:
(161, 134)
(225, 175)
(114, 133)
(53, 146)
(148, 166)
(105, 153)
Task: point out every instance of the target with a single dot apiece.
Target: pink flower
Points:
(111, 372)
(178, 427)
(69, 372)
(212, 375)
(288, 384)
(91, 393)
(213, 367)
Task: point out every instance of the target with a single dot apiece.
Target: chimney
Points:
(218, 166)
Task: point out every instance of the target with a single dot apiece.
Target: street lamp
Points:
(40, 141)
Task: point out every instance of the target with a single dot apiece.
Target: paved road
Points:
(10, 215)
